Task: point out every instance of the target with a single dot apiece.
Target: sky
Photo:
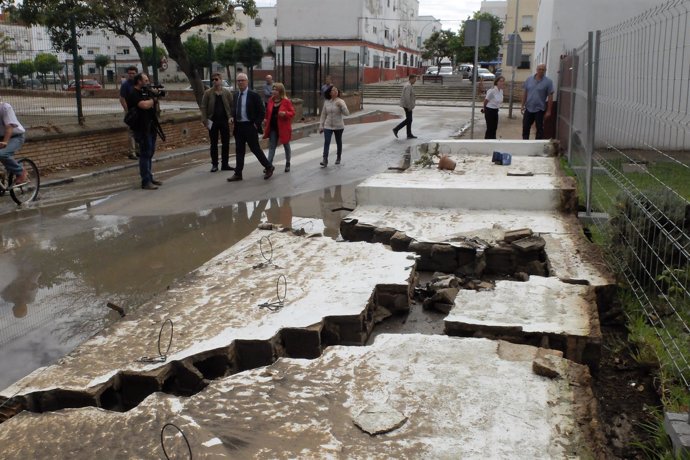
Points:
(450, 12)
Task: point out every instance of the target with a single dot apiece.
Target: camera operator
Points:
(146, 127)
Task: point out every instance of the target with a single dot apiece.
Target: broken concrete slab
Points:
(541, 309)
(570, 256)
(487, 146)
(455, 393)
(485, 186)
(221, 326)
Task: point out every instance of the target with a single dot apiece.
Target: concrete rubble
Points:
(519, 285)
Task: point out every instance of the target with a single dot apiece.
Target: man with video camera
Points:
(145, 125)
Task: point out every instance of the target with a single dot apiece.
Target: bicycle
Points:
(26, 192)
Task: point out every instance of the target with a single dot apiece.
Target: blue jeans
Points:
(327, 134)
(147, 146)
(6, 154)
(273, 144)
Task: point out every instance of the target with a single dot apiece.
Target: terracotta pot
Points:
(446, 163)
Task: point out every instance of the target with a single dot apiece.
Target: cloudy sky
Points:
(450, 12)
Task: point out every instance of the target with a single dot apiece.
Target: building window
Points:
(275, 22)
(387, 63)
(385, 33)
(389, 3)
(257, 22)
(92, 70)
(374, 30)
(527, 25)
(524, 61)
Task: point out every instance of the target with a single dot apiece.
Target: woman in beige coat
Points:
(332, 122)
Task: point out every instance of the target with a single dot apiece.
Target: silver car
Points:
(484, 74)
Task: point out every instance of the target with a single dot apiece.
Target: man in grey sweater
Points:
(407, 102)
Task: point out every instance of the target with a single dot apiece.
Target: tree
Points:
(486, 53)
(249, 52)
(437, 46)
(22, 68)
(197, 51)
(102, 62)
(169, 19)
(226, 56)
(147, 56)
(46, 63)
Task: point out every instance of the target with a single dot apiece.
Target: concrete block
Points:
(513, 235)
(677, 427)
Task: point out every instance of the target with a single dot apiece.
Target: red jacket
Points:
(284, 123)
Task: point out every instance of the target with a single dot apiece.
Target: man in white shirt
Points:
(12, 134)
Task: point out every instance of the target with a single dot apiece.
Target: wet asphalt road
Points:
(103, 239)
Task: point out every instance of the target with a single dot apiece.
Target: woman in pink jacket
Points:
(278, 129)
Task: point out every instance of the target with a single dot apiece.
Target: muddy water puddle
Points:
(58, 270)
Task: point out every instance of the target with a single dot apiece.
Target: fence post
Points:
(573, 88)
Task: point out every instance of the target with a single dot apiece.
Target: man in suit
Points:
(248, 114)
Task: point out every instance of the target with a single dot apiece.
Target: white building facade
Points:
(385, 33)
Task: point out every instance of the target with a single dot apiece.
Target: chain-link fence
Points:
(624, 121)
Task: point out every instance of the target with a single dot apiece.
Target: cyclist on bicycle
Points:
(12, 134)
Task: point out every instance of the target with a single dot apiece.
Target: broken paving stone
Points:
(531, 244)
(521, 276)
(443, 281)
(547, 366)
(400, 241)
(265, 226)
(384, 235)
(514, 235)
(379, 418)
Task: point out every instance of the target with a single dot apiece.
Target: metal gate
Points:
(303, 77)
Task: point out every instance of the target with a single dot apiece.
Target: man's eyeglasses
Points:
(242, 79)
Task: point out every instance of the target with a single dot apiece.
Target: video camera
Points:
(153, 91)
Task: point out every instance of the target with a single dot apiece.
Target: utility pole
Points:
(512, 78)
(154, 56)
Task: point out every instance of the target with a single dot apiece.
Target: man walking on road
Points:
(125, 91)
(407, 102)
(216, 110)
(537, 100)
(248, 114)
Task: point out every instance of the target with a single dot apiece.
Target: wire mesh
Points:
(640, 163)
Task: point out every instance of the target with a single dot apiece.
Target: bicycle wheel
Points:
(29, 191)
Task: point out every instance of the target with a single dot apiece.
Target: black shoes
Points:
(324, 163)
(411, 137)
(287, 167)
(214, 169)
(227, 168)
(395, 132)
(156, 182)
(235, 178)
(269, 172)
(337, 160)
(149, 186)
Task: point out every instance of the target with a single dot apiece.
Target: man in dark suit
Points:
(248, 113)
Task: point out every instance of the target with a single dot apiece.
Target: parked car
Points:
(498, 72)
(86, 85)
(50, 80)
(207, 85)
(466, 70)
(432, 71)
(485, 74)
(446, 70)
(31, 83)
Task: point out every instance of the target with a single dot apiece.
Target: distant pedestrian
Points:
(278, 123)
(332, 122)
(125, 91)
(248, 114)
(492, 103)
(326, 86)
(145, 128)
(268, 89)
(407, 102)
(537, 101)
(216, 111)
(12, 135)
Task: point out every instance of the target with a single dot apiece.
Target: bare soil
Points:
(626, 394)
